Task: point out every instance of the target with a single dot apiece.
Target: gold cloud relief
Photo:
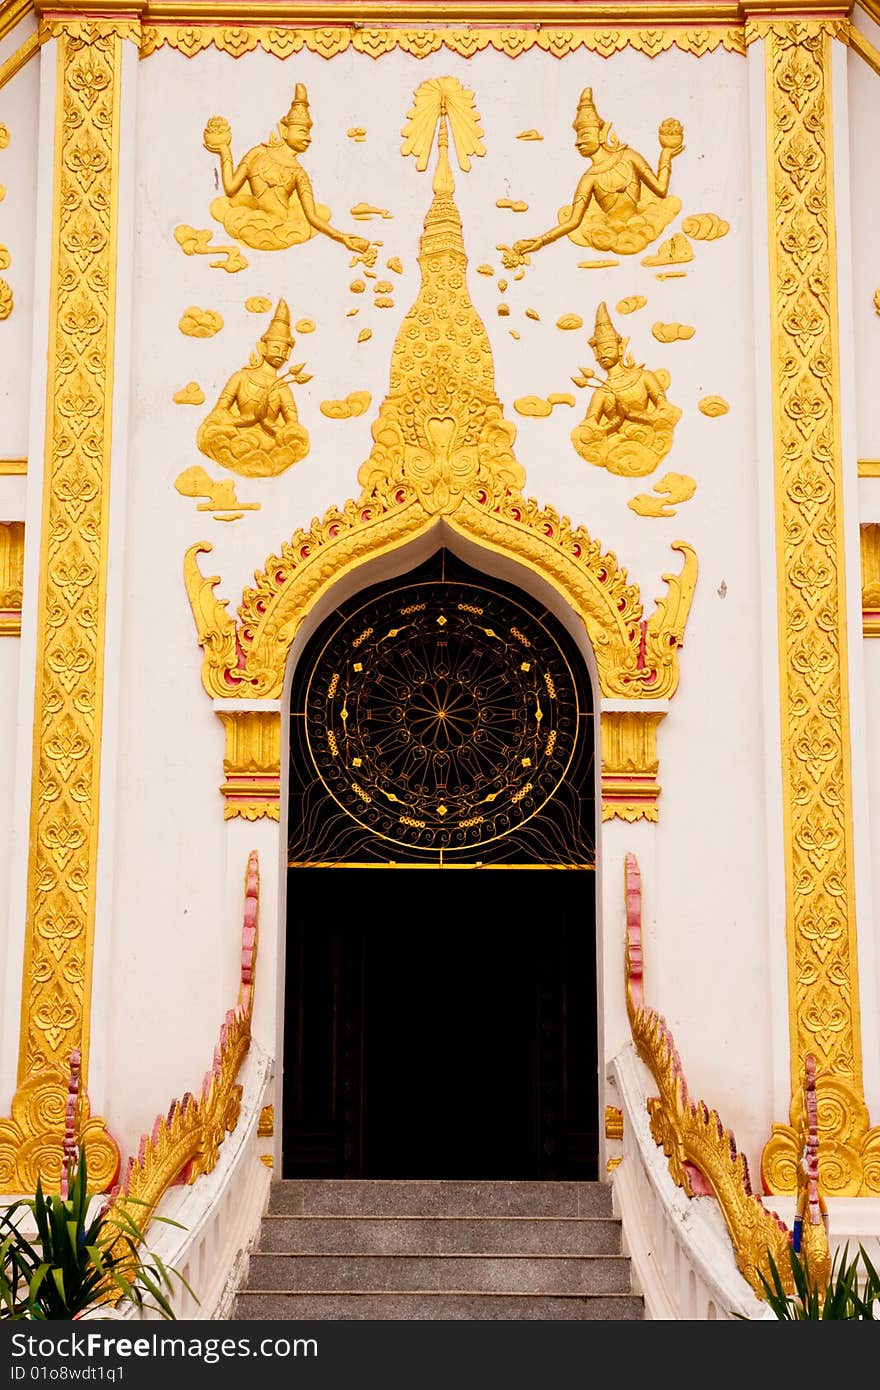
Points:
(713, 406)
(517, 206)
(304, 326)
(219, 494)
(673, 488)
(535, 406)
(672, 332)
(631, 303)
(200, 323)
(538, 408)
(676, 250)
(569, 321)
(363, 211)
(258, 304)
(530, 135)
(705, 226)
(4, 136)
(4, 258)
(355, 403)
(394, 263)
(190, 394)
(357, 132)
(6, 300)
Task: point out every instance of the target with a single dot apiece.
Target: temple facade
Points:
(439, 563)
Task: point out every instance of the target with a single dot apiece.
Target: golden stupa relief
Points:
(254, 428)
(442, 448)
(268, 201)
(629, 424)
(621, 203)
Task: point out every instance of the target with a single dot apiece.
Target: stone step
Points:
(407, 1307)
(441, 1235)
(361, 1197)
(507, 1274)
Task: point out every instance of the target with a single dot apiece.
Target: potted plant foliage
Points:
(61, 1257)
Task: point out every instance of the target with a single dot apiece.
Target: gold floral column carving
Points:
(71, 598)
(816, 752)
(11, 577)
(869, 536)
(630, 790)
(252, 765)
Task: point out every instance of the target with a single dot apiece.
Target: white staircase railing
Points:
(681, 1252)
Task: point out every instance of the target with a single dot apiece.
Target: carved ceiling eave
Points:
(247, 659)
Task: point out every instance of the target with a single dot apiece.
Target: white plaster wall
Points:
(176, 931)
(19, 105)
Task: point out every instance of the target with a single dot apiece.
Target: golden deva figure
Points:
(269, 202)
(620, 203)
(629, 423)
(254, 429)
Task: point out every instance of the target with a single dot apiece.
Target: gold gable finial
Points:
(440, 432)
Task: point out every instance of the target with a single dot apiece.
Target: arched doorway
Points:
(440, 1016)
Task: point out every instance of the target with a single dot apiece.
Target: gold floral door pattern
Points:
(442, 719)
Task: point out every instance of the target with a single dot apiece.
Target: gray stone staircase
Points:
(439, 1250)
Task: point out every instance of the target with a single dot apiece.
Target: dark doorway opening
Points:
(440, 992)
(442, 1025)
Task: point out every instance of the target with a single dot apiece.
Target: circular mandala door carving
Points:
(442, 716)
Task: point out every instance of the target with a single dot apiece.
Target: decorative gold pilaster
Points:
(71, 598)
(630, 789)
(816, 753)
(869, 535)
(252, 765)
(11, 577)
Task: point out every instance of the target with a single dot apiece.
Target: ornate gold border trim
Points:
(821, 930)
(17, 60)
(72, 589)
(13, 468)
(12, 13)
(11, 577)
(630, 790)
(238, 39)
